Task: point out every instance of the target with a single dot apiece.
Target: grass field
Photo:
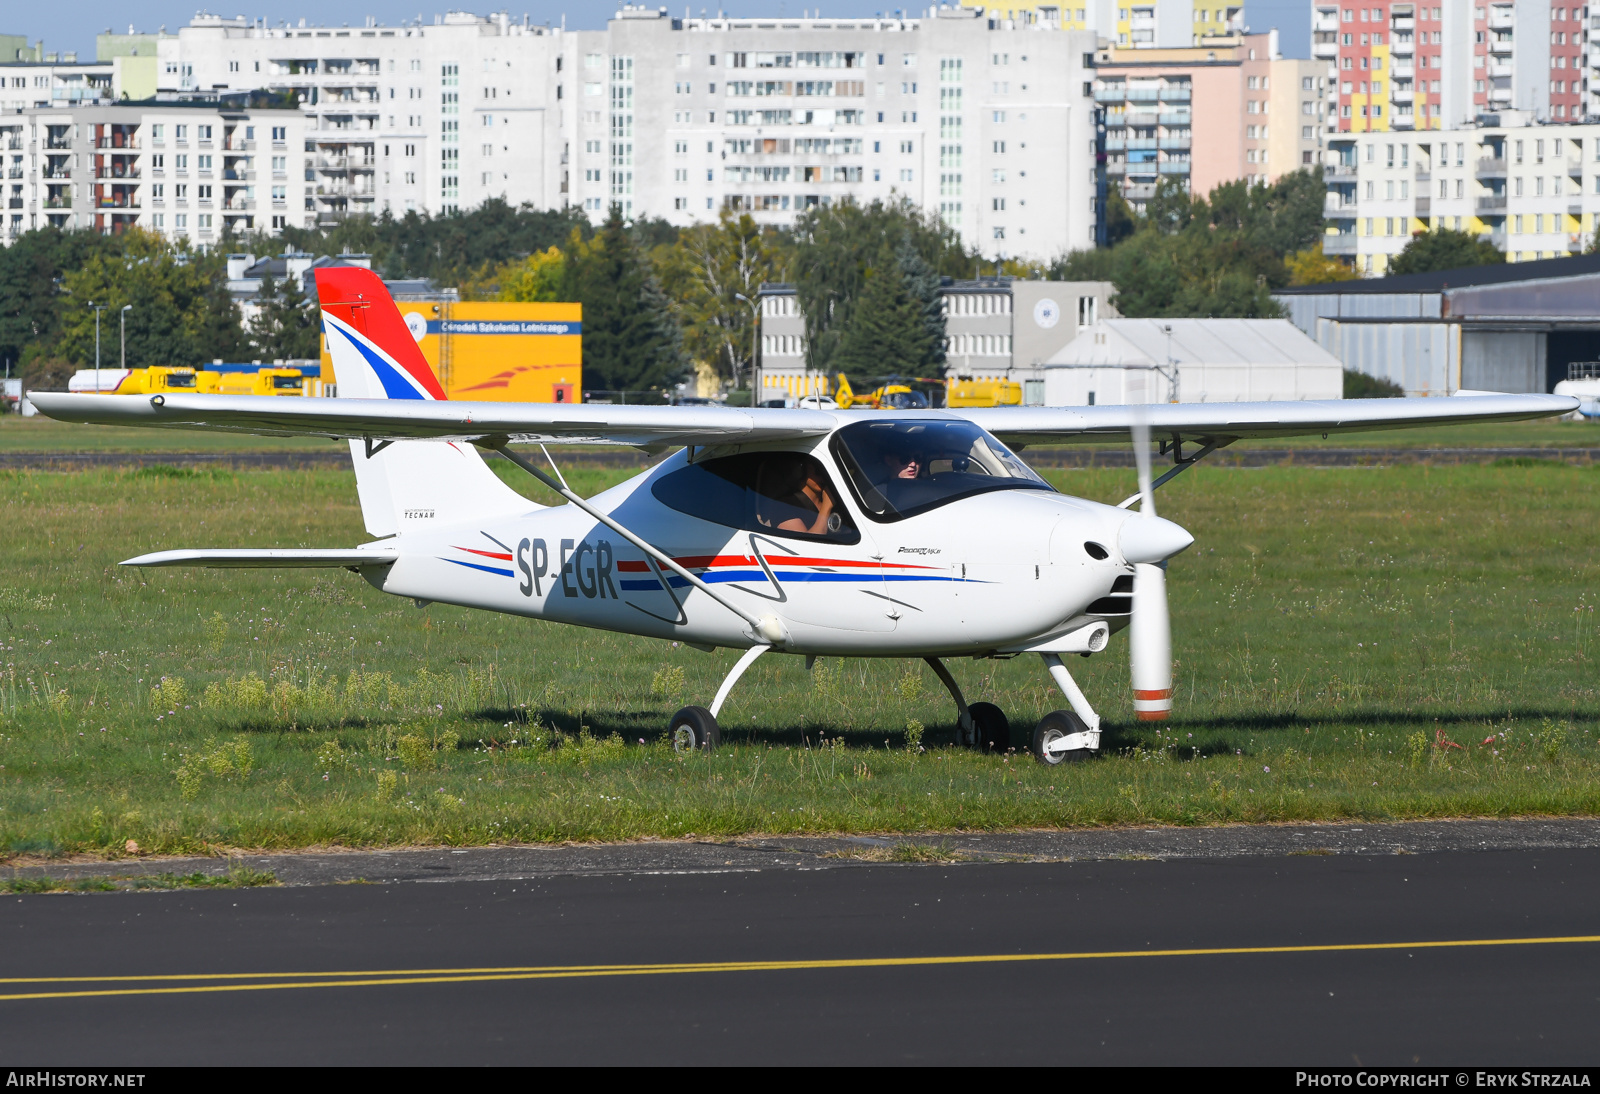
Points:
(1406, 642)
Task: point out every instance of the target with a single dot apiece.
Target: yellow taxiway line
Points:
(194, 983)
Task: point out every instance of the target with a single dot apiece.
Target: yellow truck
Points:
(159, 378)
(964, 391)
(263, 381)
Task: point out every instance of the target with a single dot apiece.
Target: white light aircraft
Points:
(802, 531)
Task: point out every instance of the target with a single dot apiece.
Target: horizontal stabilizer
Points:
(252, 559)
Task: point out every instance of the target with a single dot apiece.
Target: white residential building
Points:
(185, 170)
(988, 122)
(1531, 190)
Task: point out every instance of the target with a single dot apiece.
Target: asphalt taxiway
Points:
(1328, 954)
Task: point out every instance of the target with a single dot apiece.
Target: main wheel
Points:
(694, 729)
(993, 731)
(1051, 728)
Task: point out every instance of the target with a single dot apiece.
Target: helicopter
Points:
(807, 532)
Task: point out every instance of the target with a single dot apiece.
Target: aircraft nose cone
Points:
(1151, 539)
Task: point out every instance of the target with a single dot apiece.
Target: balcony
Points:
(1339, 171)
(58, 203)
(1496, 236)
(1174, 167)
(116, 172)
(1501, 46)
(62, 143)
(1325, 51)
(1491, 167)
(1575, 208)
(1422, 174)
(1143, 94)
(1574, 167)
(131, 202)
(57, 173)
(1325, 22)
(1402, 70)
(1501, 70)
(1423, 208)
(1574, 243)
(1492, 205)
(1176, 94)
(1403, 22)
(1175, 144)
(239, 176)
(1170, 116)
(1115, 94)
(1501, 18)
(1402, 48)
(1401, 95)
(1335, 207)
(1500, 95)
(1340, 243)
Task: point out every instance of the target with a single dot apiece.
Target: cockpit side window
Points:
(786, 494)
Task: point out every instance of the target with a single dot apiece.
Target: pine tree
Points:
(888, 332)
(922, 282)
(630, 341)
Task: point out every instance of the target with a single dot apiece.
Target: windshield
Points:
(282, 383)
(180, 379)
(901, 468)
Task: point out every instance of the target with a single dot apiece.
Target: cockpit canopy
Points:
(899, 468)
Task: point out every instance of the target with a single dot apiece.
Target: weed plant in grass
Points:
(1410, 642)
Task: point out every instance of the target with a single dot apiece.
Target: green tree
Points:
(888, 331)
(182, 313)
(703, 272)
(835, 246)
(32, 304)
(1170, 208)
(1444, 249)
(630, 340)
(286, 325)
(452, 248)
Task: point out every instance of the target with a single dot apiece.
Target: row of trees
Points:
(657, 299)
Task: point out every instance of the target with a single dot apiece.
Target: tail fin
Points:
(404, 485)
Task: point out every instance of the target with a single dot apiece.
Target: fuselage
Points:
(975, 575)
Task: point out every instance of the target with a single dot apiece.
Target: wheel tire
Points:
(694, 729)
(993, 732)
(1052, 727)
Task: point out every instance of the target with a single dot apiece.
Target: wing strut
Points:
(1180, 464)
(767, 629)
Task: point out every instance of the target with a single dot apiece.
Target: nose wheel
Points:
(1062, 737)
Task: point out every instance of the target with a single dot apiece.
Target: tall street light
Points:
(755, 372)
(122, 319)
(98, 308)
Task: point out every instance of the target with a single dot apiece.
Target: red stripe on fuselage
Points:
(486, 554)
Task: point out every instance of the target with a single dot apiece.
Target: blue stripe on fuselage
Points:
(475, 566)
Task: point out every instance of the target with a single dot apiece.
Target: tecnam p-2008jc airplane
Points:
(840, 533)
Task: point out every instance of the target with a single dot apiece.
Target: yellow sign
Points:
(519, 353)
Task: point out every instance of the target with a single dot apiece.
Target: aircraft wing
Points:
(403, 419)
(1021, 426)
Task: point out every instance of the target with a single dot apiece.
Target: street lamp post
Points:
(98, 308)
(755, 371)
(122, 320)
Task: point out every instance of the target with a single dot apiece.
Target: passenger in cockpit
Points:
(805, 504)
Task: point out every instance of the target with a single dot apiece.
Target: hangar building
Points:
(1511, 328)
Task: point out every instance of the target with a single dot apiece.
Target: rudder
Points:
(403, 485)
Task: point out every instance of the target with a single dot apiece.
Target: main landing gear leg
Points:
(695, 729)
(1066, 735)
(982, 725)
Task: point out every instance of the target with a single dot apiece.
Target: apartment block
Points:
(186, 170)
(1229, 110)
(1161, 24)
(1531, 190)
(986, 121)
(1411, 66)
